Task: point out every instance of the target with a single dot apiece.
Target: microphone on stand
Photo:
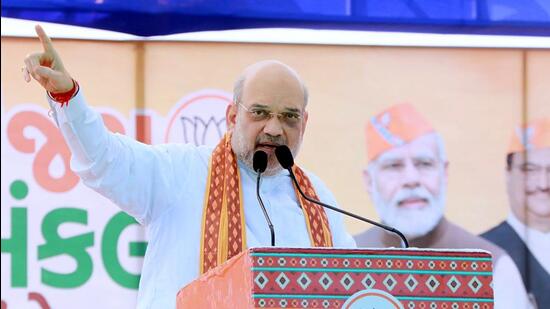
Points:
(259, 163)
(284, 156)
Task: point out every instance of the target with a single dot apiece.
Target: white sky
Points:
(25, 28)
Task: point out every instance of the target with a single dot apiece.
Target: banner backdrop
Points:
(64, 245)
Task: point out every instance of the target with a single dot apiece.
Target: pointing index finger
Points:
(44, 39)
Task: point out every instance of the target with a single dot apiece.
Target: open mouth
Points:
(267, 147)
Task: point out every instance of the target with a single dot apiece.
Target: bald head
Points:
(269, 76)
(266, 89)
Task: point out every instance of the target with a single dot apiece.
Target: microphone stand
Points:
(383, 226)
(271, 229)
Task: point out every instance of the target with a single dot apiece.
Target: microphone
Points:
(284, 156)
(259, 163)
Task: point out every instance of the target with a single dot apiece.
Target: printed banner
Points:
(63, 244)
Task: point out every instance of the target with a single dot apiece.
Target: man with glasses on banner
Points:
(406, 178)
(198, 204)
(525, 234)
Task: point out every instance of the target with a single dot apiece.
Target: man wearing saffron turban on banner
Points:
(198, 204)
(525, 234)
(406, 178)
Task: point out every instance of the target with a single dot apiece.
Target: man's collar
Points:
(521, 228)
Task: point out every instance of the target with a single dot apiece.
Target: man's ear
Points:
(446, 175)
(304, 122)
(509, 179)
(231, 116)
(367, 180)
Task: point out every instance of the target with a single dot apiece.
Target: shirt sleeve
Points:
(135, 176)
(509, 291)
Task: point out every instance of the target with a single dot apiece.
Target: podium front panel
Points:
(326, 278)
(343, 278)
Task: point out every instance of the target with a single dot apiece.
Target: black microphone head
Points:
(259, 161)
(284, 156)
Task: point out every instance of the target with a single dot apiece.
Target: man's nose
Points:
(273, 127)
(411, 176)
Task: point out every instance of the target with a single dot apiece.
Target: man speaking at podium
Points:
(198, 204)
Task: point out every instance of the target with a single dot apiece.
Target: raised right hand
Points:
(46, 67)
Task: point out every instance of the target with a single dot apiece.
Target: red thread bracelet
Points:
(64, 97)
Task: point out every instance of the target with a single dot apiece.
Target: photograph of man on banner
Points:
(525, 234)
(406, 178)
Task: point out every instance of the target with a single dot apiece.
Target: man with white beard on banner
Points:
(199, 204)
(406, 178)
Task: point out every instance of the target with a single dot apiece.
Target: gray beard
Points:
(273, 166)
(247, 156)
(238, 144)
(413, 223)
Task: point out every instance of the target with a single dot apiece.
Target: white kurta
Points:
(163, 187)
